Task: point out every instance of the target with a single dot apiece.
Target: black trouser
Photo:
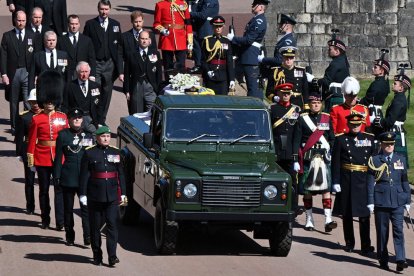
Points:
(100, 213)
(68, 201)
(219, 87)
(364, 228)
(44, 175)
(287, 166)
(104, 76)
(168, 61)
(29, 178)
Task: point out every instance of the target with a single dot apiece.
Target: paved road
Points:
(27, 249)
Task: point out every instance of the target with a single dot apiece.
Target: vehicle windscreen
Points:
(223, 125)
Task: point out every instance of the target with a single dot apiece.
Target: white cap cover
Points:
(350, 85)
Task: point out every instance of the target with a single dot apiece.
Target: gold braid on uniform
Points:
(279, 77)
(378, 171)
(213, 51)
(175, 7)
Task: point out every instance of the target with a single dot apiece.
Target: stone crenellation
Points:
(366, 27)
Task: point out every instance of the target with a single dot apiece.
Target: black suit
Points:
(74, 97)
(54, 16)
(10, 56)
(129, 43)
(138, 74)
(108, 65)
(40, 65)
(21, 5)
(83, 51)
(38, 36)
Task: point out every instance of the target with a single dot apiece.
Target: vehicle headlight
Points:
(270, 192)
(190, 190)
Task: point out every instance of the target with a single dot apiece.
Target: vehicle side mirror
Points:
(148, 140)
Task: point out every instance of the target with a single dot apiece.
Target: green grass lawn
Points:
(408, 125)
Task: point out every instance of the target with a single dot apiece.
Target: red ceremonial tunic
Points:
(174, 16)
(43, 132)
(339, 113)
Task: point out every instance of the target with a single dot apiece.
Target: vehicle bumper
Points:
(229, 217)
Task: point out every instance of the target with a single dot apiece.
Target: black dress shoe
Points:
(367, 250)
(70, 243)
(401, 265)
(44, 225)
(349, 248)
(384, 266)
(330, 226)
(29, 212)
(195, 70)
(113, 260)
(309, 228)
(97, 261)
(59, 228)
(87, 241)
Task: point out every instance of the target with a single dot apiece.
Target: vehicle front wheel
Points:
(165, 232)
(280, 240)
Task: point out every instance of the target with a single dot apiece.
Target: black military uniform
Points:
(217, 57)
(350, 157)
(377, 92)
(22, 134)
(102, 181)
(70, 147)
(295, 75)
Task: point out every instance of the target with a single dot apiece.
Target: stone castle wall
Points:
(366, 26)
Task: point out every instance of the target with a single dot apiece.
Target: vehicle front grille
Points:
(231, 193)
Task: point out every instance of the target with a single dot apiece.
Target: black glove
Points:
(56, 182)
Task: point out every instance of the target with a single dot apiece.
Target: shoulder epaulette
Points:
(335, 105)
(326, 113)
(90, 147)
(208, 36)
(300, 67)
(276, 67)
(368, 133)
(23, 112)
(304, 113)
(113, 147)
(362, 106)
(339, 134)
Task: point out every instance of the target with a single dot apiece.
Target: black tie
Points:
(144, 56)
(52, 62)
(83, 87)
(388, 160)
(74, 41)
(37, 29)
(20, 37)
(136, 36)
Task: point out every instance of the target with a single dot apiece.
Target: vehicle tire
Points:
(165, 232)
(280, 240)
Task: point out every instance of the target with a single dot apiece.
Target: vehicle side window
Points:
(157, 127)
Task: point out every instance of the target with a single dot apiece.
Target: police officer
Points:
(293, 74)
(102, 187)
(41, 146)
(388, 195)
(70, 147)
(286, 25)
(249, 46)
(22, 137)
(312, 140)
(350, 89)
(335, 74)
(349, 174)
(201, 12)
(218, 68)
(396, 113)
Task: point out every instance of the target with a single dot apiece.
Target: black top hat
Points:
(288, 51)
(387, 137)
(335, 41)
(75, 113)
(284, 19)
(401, 75)
(217, 20)
(382, 62)
(355, 118)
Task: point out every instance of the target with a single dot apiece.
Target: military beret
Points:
(387, 137)
(285, 19)
(103, 129)
(337, 43)
(355, 118)
(75, 113)
(217, 20)
(288, 51)
(404, 79)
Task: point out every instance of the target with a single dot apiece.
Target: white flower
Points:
(181, 81)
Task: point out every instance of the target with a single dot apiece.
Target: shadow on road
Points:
(11, 209)
(7, 153)
(316, 242)
(31, 239)
(18, 222)
(342, 258)
(18, 180)
(58, 257)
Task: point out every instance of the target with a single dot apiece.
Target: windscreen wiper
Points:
(201, 136)
(242, 137)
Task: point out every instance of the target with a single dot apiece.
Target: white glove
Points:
(230, 36)
(20, 159)
(190, 47)
(122, 198)
(407, 207)
(165, 32)
(310, 77)
(84, 200)
(189, 8)
(210, 74)
(371, 119)
(296, 166)
(33, 169)
(232, 85)
(336, 188)
(276, 99)
(371, 208)
(261, 56)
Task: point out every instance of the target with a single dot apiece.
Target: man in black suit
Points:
(129, 40)
(19, 5)
(17, 48)
(84, 94)
(105, 33)
(55, 14)
(142, 76)
(78, 46)
(50, 59)
(37, 27)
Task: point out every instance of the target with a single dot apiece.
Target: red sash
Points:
(312, 140)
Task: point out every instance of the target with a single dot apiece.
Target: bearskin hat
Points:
(49, 87)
